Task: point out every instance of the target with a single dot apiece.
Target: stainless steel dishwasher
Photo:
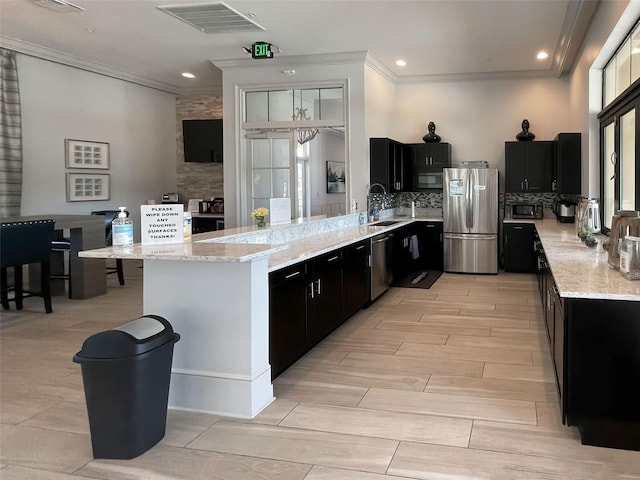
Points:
(381, 264)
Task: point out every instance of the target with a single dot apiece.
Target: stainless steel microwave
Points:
(427, 180)
(527, 210)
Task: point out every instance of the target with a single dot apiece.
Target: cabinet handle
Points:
(319, 290)
(291, 275)
(431, 226)
(440, 238)
(360, 247)
(312, 290)
(333, 258)
(518, 228)
(526, 182)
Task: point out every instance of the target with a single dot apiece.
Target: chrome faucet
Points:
(384, 191)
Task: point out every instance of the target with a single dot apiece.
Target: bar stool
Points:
(109, 217)
(23, 243)
(63, 245)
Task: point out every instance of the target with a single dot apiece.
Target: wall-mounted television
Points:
(202, 140)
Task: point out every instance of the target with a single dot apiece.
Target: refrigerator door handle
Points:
(469, 202)
(469, 236)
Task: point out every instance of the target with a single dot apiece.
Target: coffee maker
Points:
(565, 211)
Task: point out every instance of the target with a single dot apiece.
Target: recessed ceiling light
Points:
(542, 55)
(89, 29)
(401, 63)
(289, 72)
(635, 50)
(188, 75)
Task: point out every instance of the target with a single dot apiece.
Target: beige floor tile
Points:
(357, 377)
(367, 335)
(323, 473)
(533, 373)
(275, 411)
(452, 352)
(321, 355)
(12, 472)
(524, 333)
(183, 427)
(425, 364)
(528, 344)
(493, 388)
(44, 449)
(475, 321)
(296, 445)
(15, 409)
(65, 417)
(461, 406)
(434, 328)
(379, 424)
(171, 463)
(325, 393)
(438, 462)
(361, 345)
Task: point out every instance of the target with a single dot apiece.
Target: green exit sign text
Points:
(261, 50)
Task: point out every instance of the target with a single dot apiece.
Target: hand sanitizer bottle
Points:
(122, 229)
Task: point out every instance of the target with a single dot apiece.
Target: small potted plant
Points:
(259, 214)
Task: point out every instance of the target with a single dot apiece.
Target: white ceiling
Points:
(134, 40)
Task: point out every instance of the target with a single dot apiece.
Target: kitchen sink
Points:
(386, 223)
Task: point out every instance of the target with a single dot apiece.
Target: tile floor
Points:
(454, 382)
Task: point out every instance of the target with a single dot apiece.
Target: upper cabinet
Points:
(528, 166)
(567, 163)
(430, 155)
(389, 165)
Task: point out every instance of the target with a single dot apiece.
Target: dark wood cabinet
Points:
(356, 277)
(389, 165)
(430, 244)
(206, 224)
(518, 248)
(567, 161)
(528, 167)
(430, 155)
(287, 317)
(324, 302)
(403, 263)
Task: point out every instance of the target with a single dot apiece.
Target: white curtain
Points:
(10, 136)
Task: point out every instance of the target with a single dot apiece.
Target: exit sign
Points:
(261, 50)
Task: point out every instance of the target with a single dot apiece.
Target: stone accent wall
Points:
(197, 180)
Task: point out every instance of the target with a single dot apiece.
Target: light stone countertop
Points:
(580, 271)
(283, 244)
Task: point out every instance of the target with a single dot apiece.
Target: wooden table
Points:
(88, 275)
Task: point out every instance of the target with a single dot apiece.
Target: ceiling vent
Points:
(213, 18)
(60, 6)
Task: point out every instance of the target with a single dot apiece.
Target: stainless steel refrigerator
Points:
(470, 216)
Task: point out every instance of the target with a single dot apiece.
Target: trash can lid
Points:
(133, 338)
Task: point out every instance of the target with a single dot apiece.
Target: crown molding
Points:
(474, 76)
(55, 56)
(377, 66)
(574, 28)
(292, 61)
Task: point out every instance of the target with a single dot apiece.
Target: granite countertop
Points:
(580, 271)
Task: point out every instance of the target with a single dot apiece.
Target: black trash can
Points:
(126, 373)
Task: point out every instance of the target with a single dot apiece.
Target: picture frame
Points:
(336, 177)
(83, 187)
(86, 154)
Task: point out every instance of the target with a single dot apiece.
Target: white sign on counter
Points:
(279, 210)
(162, 223)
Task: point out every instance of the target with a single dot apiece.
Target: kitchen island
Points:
(592, 317)
(214, 290)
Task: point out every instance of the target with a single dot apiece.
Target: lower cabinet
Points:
(430, 245)
(403, 264)
(518, 248)
(287, 317)
(305, 305)
(356, 277)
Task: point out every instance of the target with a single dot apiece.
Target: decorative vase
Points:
(261, 223)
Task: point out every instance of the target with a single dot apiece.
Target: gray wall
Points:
(60, 102)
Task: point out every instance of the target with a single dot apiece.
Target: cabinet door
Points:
(356, 277)
(558, 344)
(380, 154)
(287, 317)
(440, 154)
(430, 245)
(514, 160)
(402, 262)
(420, 155)
(325, 312)
(538, 176)
(567, 163)
(519, 253)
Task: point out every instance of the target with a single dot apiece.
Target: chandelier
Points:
(303, 134)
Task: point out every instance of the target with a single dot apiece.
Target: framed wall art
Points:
(85, 154)
(335, 177)
(83, 187)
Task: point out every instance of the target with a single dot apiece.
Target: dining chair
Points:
(24, 243)
(109, 217)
